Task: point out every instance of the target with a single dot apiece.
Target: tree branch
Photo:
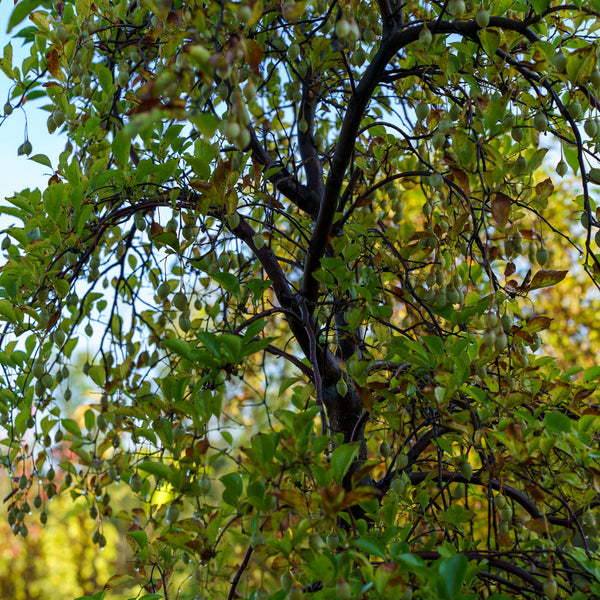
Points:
(283, 181)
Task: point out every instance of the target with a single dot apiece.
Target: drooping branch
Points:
(391, 43)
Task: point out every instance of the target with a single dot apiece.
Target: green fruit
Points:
(354, 34)
(562, 168)
(597, 237)
(397, 485)
(341, 387)
(24, 148)
(38, 369)
(401, 461)
(343, 591)
(286, 581)
(358, 58)
(123, 78)
(541, 256)
(232, 131)
(233, 221)
(59, 117)
(47, 380)
(457, 8)
(258, 240)
(501, 342)
(425, 37)
(575, 109)
(591, 127)
(295, 593)
(455, 111)
(250, 91)
(164, 289)
(204, 485)
(550, 588)
(595, 78)
(444, 125)
(436, 180)
(489, 337)
(61, 34)
(316, 543)
(584, 220)
(342, 29)
(560, 61)
(384, 449)
(185, 324)
(521, 164)
(332, 541)
(517, 134)
(540, 122)
(422, 110)
(59, 337)
(180, 301)
(499, 502)
(8, 109)
(508, 120)
(482, 18)
(172, 513)
(438, 139)
(243, 139)
(244, 14)
(293, 51)
(466, 470)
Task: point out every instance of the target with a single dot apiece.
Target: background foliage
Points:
(304, 255)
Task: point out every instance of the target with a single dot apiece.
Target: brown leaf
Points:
(156, 228)
(544, 189)
(253, 53)
(54, 179)
(501, 208)
(510, 269)
(54, 63)
(546, 278)
(366, 397)
(535, 493)
(584, 393)
(355, 497)
(461, 179)
(538, 323)
(119, 579)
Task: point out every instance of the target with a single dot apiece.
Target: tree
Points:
(296, 248)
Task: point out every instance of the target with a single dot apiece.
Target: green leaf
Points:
(140, 537)
(179, 346)
(341, 459)
(233, 488)
(120, 147)
(228, 281)
(42, 159)
(21, 11)
(556, 422)
(158, 469)
(371, 545)
(490, 41)
(7, 311)
(71, 426)
(451, 575)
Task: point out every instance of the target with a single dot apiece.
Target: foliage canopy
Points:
(295, 248)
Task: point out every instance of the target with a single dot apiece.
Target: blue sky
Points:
(17, 172)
